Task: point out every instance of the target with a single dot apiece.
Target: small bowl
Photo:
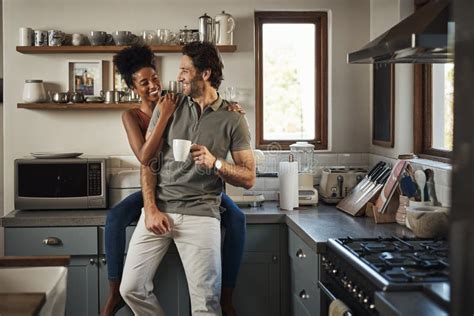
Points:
(428, 221)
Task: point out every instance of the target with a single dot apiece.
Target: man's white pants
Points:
(198, 240)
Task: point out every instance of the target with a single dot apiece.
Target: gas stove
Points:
(354, 269)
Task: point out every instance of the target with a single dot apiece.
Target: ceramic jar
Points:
(33, 91)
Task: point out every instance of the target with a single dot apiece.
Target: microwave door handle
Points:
(330, 295)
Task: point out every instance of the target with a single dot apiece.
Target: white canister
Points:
(25, 36)
(225, 25)
(34, 91)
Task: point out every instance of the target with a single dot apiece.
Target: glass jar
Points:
(303, 152)
(33, 91)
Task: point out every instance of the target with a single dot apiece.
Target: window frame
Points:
(319, 18)
(423, 124)
(423, 108)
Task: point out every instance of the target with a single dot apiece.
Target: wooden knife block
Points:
(390, 212)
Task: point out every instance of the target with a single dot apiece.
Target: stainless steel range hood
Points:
(423, 37)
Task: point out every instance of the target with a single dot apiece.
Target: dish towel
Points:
(338, 308)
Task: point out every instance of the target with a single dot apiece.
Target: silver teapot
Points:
(58, 97)
(76, 97)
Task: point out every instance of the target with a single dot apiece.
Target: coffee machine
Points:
(303, 153)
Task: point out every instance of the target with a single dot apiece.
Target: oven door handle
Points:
(330, 295)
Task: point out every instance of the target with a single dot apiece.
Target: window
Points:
(433, 117)
(291, 78)
(434, 110)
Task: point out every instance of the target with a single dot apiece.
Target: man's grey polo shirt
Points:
(183, 187)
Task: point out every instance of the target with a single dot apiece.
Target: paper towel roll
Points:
(288, 175)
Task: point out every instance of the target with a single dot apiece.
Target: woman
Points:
(136, 65)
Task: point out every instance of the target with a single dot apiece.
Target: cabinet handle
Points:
(92, 261)
(275, 259)
(104, 261)
(304, 295)
(52, 241)
(300, 254)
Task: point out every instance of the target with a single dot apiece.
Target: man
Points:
(181, 201)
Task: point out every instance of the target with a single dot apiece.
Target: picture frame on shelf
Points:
(86, 76)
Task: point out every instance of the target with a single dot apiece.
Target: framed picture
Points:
(85, 76)
(383, 98)
(119, 84)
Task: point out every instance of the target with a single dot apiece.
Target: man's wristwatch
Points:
(217, 165)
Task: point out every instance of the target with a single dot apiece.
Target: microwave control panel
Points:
(95, 179)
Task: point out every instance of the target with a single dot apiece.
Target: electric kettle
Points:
(224, 29)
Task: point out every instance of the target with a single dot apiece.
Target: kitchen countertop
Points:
(315, 225)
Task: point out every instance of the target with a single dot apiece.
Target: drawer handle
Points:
(52, 241)
(300, 254)
(304, 295)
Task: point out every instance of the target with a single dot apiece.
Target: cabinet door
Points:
(82, 280)
(257, 290)
(297, 308)
(78, 242)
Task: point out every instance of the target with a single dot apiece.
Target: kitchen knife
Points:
(360, 194)
(367, 177)
(374, 174)
(382, 174)
(378, 183)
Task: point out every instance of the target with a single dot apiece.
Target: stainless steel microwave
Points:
(73, 183)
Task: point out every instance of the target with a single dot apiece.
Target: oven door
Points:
(327, 297)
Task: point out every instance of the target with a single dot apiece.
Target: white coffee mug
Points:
(181, 148)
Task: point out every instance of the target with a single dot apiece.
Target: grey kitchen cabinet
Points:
(304, 271)
(170, 284)
(258, 285)
(78, 242)
(258, 290)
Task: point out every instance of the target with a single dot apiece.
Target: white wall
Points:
(1, 129)
(101, 132)
(383, 15)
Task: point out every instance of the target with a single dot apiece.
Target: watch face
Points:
(218, 164)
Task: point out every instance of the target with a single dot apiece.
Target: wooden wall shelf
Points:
(106, 49)
(77, 106)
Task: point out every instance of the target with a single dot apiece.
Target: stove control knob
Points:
(360, 296)
(323, 258)
(349, 285)
(344, 281)
(366, 300)
(354, 290)
(334, 271)
(371, 306)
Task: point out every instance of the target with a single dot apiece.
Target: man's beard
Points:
(196, 86)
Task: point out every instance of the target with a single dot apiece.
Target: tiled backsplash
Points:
(270, 186)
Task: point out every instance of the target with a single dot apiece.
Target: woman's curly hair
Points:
(131, 59)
